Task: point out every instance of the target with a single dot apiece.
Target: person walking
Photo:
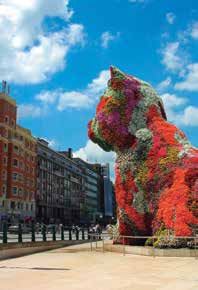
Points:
(98, 231)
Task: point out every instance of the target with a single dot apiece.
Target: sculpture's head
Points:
(122, 111)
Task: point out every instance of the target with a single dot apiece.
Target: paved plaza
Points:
(76, 268)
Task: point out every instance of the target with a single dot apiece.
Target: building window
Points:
(4, 175)
(20, 177)
(6, 119)
(6, 133)
(15, 176)
(27, 206)
(16, 149)
(31, 207)
(20, 191)
(12, 205)
(4, 189)
(5, 147)
(12, 123)
(21, 151)
(15, 162)
(14, 190)
(13, 110)
(5, 160)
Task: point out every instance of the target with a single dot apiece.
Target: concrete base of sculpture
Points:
(150, 251)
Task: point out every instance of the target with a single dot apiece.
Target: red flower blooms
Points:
(102, 103)
(173, 209)
(90, 131)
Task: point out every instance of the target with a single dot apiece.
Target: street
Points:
(77, 268)
(13, 238)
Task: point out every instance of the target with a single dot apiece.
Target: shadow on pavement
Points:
(35, 268)
(68, 251)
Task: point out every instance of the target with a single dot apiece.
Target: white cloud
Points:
(170, 17)
(93, 153)
(107, 37)
(187, 116)
(74, 100)
(75, 34)
(47, 97)
(84, 98)
(98, 84)
(29, 110)
(191, 32)
(29, 54)
(178, 61)
(190, 83)
(164, 84)
(52, 143)
(63, 100)
(171, 100)
(172, 58)
(194, 30)
(190, 116)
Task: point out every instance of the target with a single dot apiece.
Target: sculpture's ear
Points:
(116, 73)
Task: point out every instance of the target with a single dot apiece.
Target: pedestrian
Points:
(37, 228)
(109, 229)
(73, 228)
(98, 231)
(59, 228)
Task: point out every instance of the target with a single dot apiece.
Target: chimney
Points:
(70, 154)
(3, 86)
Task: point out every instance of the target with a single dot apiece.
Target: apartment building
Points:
(17, 163)
(60, 186)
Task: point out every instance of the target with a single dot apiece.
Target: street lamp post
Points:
(101, 218)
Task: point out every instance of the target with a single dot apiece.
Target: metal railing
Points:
(99, 237)
(43, 233)
(123, 241)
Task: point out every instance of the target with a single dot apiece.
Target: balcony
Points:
(58, 173)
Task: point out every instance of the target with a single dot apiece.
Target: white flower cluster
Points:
(187, 147)
(149, 97)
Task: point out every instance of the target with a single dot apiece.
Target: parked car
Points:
(14, 229)
(50, 227)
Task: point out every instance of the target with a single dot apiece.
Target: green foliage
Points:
(161, 233)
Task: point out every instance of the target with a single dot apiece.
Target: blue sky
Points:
(56, 56)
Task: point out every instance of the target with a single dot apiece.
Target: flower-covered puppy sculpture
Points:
(156, 167)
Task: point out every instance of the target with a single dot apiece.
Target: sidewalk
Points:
(76, 268)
